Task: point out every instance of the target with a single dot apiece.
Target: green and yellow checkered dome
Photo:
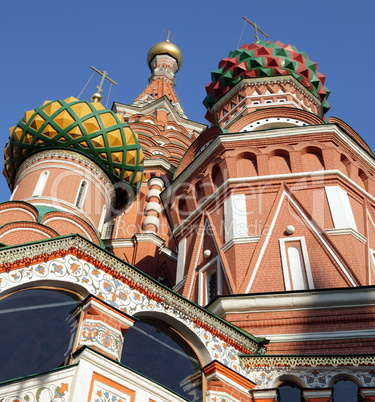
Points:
(85, 127)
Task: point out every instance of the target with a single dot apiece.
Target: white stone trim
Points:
(347, 231)
(181, 257)
(305, 260)
(317, 336)
(153, 193)
(156, 181)
(235, 217)
(153, 206)
(151, 220)
(294, 301)
(142, 237)
(340, 208)
(240, 240)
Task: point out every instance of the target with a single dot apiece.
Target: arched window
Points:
(157, 351)
(279, 162)
(81, 194)
(247, 165)
(290, 392)
(345, 391)
(217, 176)
(40, 184)
(199, 192)
(183, 208)
(37, 331)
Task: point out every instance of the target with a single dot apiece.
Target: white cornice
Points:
(291, 301)
(142, 237)
(240, 240)
(347, 231)
(161, 164)
(321, 336)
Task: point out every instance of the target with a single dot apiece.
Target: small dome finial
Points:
(96, 97)
(166, 47)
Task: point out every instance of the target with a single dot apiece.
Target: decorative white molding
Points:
(151, 220)
(153, 193)
(156, 181)
(340, 208)
(294, 301)
(347, 231)
(153, 206)
(240, 240)
(321, 336)
(142, 237)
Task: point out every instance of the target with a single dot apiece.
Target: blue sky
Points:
(48, 47)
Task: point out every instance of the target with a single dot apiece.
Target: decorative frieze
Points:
(75, 260)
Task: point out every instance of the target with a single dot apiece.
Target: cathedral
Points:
(146, 257)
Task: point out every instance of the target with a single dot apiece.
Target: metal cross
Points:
(169, 34)
(255, 28)
(104, 75)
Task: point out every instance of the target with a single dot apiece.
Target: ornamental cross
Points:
(256, 28)
(169, 34)
(104, 75)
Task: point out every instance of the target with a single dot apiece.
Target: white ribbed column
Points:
(153, 207)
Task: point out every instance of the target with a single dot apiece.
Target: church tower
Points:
(148, 257)
(165, 134)
(273, 211)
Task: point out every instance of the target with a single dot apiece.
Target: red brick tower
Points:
(273, 211)
(142, 233)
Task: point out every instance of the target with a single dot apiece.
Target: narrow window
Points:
(211, 286)
(107, 230)
(101, 222)
(296, 268)
(81, 194)
(40, 184)
(296, 264)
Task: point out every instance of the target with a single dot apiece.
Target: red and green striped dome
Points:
(265, 59)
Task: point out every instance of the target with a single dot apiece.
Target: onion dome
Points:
(265, 59)
(165, 47)
(85, 127)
